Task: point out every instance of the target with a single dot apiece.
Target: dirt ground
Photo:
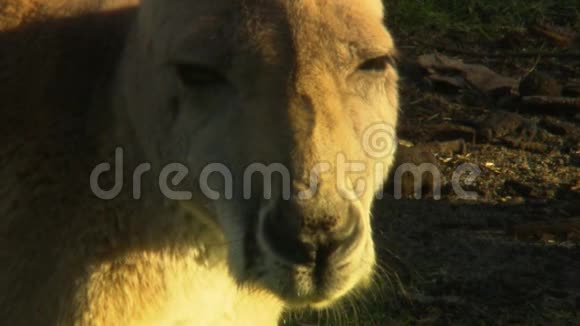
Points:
(512, 255)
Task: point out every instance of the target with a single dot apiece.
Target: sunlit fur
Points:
(294, 95)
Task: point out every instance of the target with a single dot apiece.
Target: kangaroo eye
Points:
(378, 64)
(199, 76)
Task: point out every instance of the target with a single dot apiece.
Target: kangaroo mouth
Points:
(313, 285)
(301, 269)
(317, 285)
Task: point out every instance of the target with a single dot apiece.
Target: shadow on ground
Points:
(459, 264)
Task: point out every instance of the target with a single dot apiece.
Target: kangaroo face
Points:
(276, 108)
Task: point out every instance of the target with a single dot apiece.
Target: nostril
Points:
(305, 241)
(348, 229)
(283, 238)
(345, 242)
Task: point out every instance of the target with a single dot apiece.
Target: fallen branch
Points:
(564, 227)
(451, 147)
(458, 74)
(510, 54)
(550, 103)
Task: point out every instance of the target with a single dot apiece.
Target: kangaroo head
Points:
(284, 112)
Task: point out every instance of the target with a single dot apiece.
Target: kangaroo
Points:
(171, 162)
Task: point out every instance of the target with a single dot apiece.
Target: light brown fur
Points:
(79, 79)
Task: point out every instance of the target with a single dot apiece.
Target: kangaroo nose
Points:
(299, 236)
